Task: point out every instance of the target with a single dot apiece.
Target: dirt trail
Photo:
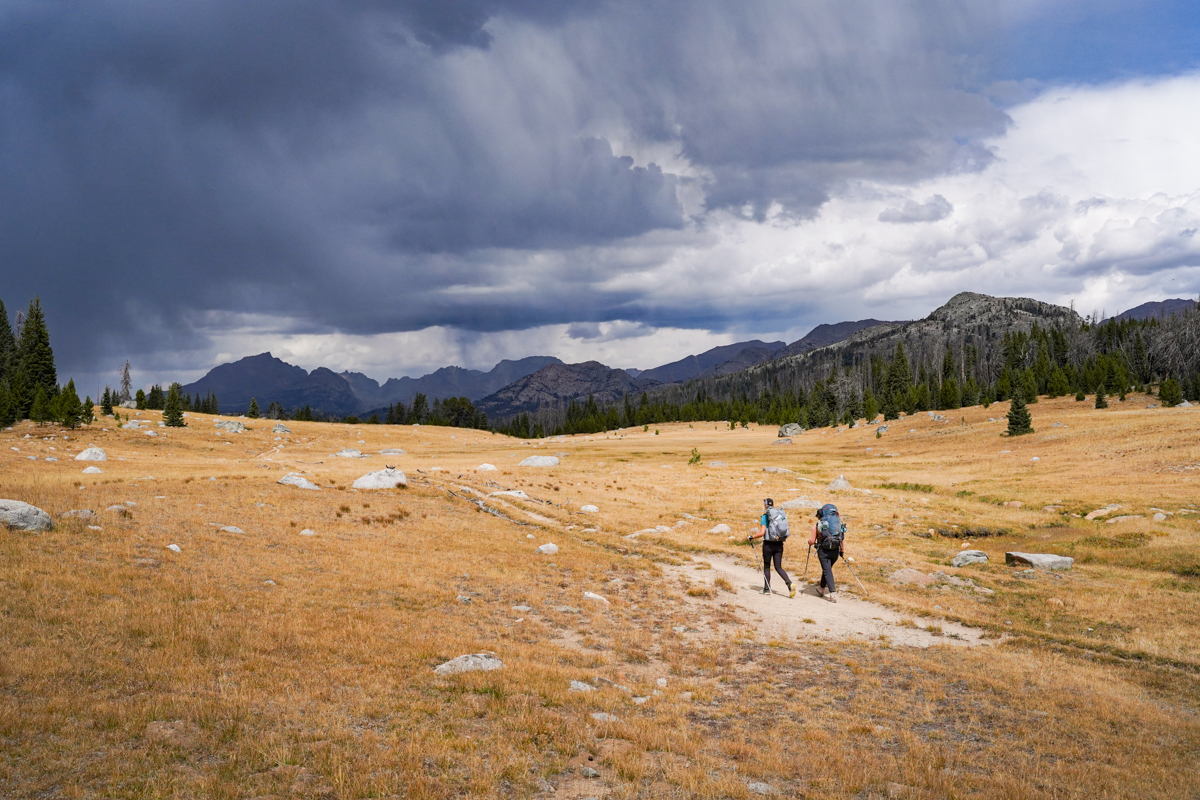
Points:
(777, 616)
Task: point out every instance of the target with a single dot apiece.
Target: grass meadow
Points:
(265, 662)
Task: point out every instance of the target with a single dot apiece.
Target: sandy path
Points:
(777, 616)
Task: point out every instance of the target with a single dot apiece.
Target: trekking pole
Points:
(806, 558)
(860, 583)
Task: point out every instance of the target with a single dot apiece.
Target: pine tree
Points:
(1170, 393)
(156, 398)
(950, 397)
(140, 399)
(35, 358)
(1020, 421)
(870, 406)
(1080, 396)
(1029, 386)
(173, 408)
(8, 344)
(1058, 384)
(40, 412)
(275, 410)
(8, 409)
(126, 383)
(252, 412)
(70, 410)
(88, 411)
(970, 392)
(1101, 401)
(106, 402)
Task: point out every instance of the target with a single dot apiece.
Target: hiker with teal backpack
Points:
(773, 530)
(829, 536)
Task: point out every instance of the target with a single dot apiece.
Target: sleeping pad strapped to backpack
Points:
(831, 528)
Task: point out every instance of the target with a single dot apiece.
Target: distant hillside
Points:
(971, 326)
(825, 335)
(445, 382)
(271, 380)
(268, 379)
(1159, 310)
(717, 361)
(554, 386)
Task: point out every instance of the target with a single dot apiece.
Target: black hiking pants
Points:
(773, 552)
(827, 559)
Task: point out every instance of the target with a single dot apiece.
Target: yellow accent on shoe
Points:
(792, 591)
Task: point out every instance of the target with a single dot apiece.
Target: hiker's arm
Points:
(813, 539)
(762, 531)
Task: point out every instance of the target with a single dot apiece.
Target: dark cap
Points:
(770, 503)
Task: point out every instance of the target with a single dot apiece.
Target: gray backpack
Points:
(777, 525)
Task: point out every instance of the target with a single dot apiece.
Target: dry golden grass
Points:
(127, 670)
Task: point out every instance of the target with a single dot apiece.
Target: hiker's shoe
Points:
(820, 591)
(831, 597)
(766, 590)
(792, 590)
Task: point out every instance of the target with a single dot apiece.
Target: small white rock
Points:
(589, 509)
(596, 597)
(474, 662)
(548, 549)
(174, 548)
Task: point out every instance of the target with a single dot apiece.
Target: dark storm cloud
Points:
(369, 166)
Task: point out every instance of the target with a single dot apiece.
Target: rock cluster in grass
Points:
(473, 662)
(348, 452)
(721, 528)
(1045, 561)
(540, 461)
(93, 471)
(297, 480)
(20, 516)
(969, 557)
(229, 425)
(92, 454)
(908, 575)
(838, 484)
(1102, 512)
(391, 451)
(381, 479)
(790, 429)
(486, 468)
(280, 428)
(547, 549)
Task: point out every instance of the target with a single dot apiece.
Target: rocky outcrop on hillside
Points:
(556, 385)
(717, 361)
(967, 319)
(825, 335)
(1158, 310)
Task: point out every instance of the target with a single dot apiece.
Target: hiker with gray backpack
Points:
(829, 537)
(773, 530)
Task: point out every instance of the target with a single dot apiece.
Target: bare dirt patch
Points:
(810, 616)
